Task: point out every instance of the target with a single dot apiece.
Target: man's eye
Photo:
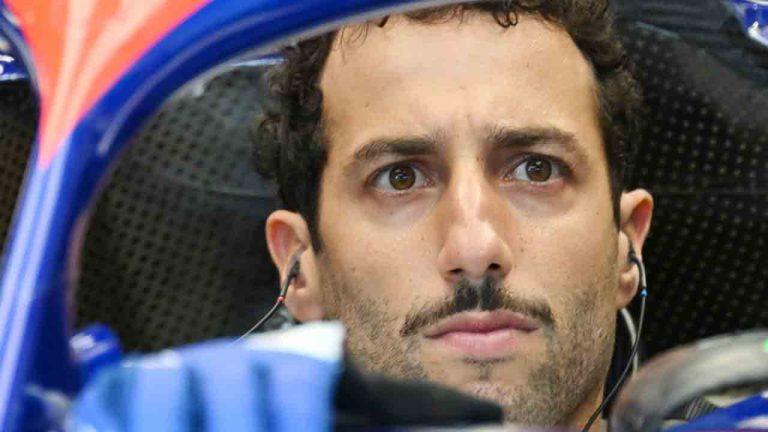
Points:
(400, 178)
(536, 170)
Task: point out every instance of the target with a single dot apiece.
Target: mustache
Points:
(487, 295)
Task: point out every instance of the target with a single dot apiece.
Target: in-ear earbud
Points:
(635, 259)
(294, 270)
(631, 255)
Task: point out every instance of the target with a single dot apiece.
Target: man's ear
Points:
(636, 208)
(287, 238)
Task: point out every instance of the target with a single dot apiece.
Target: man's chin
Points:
(499, 393)
(489, 390)
(499, 386)
(467, 373)
(520, 405)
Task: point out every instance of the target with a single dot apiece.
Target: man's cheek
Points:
(567, 256)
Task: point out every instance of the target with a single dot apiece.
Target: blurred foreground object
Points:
(753, 15)
(291, 380)
(676, 377)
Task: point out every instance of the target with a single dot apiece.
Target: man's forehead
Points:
(407, 74)
(471, 37)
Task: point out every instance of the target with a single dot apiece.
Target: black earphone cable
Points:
(643, 295)
(294, 271)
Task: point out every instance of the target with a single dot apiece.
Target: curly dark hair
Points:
(289, 144)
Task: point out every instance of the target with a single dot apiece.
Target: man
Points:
(454, 187)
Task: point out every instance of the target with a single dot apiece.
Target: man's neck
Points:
(582, 414)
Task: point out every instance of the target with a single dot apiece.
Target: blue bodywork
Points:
(11, 69)
(749, 414)
(753, 17)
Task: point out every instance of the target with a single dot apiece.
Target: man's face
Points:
(465, 212)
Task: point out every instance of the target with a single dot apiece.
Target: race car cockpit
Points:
(129, 199)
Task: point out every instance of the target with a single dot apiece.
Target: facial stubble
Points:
(578, 343)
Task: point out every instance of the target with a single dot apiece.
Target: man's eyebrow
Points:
(404, 146)
(502, 137)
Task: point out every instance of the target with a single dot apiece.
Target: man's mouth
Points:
(482, 335)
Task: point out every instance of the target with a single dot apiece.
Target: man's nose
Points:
(475, 223)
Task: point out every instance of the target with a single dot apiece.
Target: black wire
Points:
(264, 319)
(635, 345)
(292, 273)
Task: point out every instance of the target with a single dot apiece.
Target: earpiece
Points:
(642, 286)
(294, 270)
(635, 259)
(631, 255)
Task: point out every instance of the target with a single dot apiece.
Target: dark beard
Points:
(577, 351)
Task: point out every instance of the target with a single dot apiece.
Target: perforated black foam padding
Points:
(705, 160)
(176, 252)
(18, 121)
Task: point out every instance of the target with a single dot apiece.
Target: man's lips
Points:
(482, 335)
(481, 323)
